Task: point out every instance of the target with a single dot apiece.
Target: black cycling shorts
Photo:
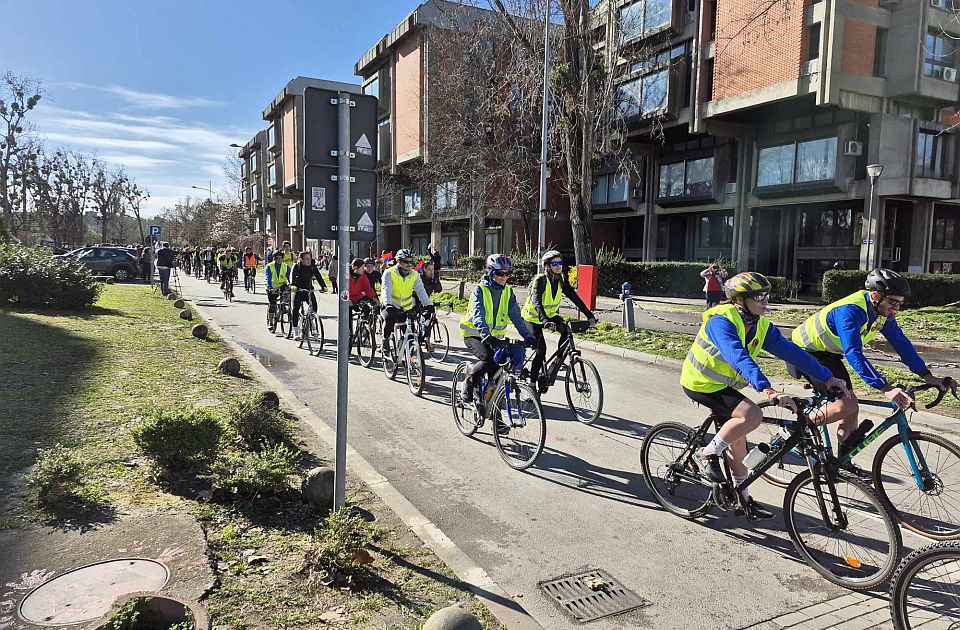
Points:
(834, 363)
(721, 403)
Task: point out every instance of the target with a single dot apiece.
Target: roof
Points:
(296, 87)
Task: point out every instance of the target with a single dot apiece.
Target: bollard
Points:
(628, 321)
(463, 284)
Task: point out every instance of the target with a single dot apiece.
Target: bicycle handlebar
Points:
(949, 383)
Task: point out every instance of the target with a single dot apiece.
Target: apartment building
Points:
(278, 172)
(753, 134)
(401, 72)
(257, 198)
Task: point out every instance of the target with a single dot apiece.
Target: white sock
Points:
(716, 447)
(745, 491)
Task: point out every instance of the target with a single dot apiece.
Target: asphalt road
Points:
(583, 505)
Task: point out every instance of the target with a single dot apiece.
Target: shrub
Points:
(31, 276)
(339, 543)
(927, 289)
(256, 423)
(58, 477)
(179, 437)
(266, 472)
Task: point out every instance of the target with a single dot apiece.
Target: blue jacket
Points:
(846, 322)
(513, 310)
(722, 332)
(269, 271)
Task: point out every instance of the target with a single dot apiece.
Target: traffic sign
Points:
(154, 230)
(321, 197)
(320, 141)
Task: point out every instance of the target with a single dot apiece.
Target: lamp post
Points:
(873, 172)
(544, 133)
(208, 188)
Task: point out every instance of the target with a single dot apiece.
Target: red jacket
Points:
(360, 287)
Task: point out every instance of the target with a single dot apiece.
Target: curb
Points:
(500, 604)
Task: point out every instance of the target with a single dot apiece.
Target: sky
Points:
(164, 87)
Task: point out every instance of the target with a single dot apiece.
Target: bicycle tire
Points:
(912, 507)
(305, 332)
(440, 337)
(365, 344)
(530, 444)
(579, 379)
(414, 367)
(790, 464)
(391, 362)
(691, 480)
(855, 571)
(463, 414)
(947, 609)
(283, 319)
(318, 332)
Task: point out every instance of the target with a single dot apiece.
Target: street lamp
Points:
(209, 190)
(873, 172)
(544, 130)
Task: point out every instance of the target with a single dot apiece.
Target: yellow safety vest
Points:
(551, 302)
(704, 369)
(498, 325)
(289, 257)
(814, 335)
(401, 289)
(279, 278)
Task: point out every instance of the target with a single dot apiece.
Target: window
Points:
(946, 229)
(715, 229)
(271, 136)
(692, 178)
(292, 216)
(243, 168)
(272, 174)
(254, 163)
(813, 42)
(411, 201)
(447, 195)
(644, 95)
(372, 88)
(880, 53)
(643, 18)
(946, 5)
(837, 227)
(610, 188)
(269, 221)
(255, 193)
(938, 53)
(929, 157)
(797, 162)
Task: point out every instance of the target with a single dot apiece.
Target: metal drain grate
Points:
(591, 595)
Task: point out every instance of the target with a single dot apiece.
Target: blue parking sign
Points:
(154, 230)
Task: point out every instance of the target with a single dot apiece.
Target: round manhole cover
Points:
(86, 593)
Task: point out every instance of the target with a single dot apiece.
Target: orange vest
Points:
(250, 261)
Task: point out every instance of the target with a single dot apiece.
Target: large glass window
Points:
(447, 195)
(254, 163)
(411, 201)
(693, 178)
(938, 53)
(610, 188)
(243, 168)
(797, 162)
(644, 95)
(271, 136)
(671, 180)
(715, 229)
(835, 227)
(929, 154)
(372, 88)
(946, 229)
(255, 193)
(644, 17)
(272, 174)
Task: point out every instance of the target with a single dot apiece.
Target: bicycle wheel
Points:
(390, 360)
(860, 555)
(271, 325)
(416, 370)
(464, 415)
(925, 590)
(316, 330)
(666, 459)
(792, 463)
(584, 390)
(440, 337)
(284, 320)
(366, 346)
(934, 509)
(305, 336)
(519, 428)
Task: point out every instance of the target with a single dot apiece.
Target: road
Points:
(583, 505)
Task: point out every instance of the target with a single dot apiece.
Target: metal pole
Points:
(544, 133)
(873, 184)
(343, 310)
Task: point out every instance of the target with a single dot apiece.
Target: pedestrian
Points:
(165, 262)
(332, 272)
(146, 257)
(714, 277)
(435, 258)
(431, 280)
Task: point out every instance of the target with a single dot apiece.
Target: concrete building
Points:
(754, 134)
(401, 71)
(279, 150)
(258, 198)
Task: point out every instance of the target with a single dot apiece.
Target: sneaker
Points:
(543, 384)
(466, 392)
(856, 471)
(710, 466)
(430, 347)
(755, 511)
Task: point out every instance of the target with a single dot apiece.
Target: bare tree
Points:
(18, 95)
(60, 184)
(134, 197)
(107, 194)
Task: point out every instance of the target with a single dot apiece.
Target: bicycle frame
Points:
(559, 358)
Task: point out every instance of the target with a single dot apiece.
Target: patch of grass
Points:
(442, 300)
(932, 323)
(257, 424)
(265, 472)
(59, 479)
(340, 545)
(179, 437)
(667, 344)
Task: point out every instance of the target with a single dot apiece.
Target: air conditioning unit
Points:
(853, 148)
(730, 188)
(810, 67)
(950, 74)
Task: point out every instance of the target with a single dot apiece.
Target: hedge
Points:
(31, 276)
(927, 289)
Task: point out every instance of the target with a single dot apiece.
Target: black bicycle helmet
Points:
(887, 282)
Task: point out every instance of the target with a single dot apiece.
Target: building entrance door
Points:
(897, 229)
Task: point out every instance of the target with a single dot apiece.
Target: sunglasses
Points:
(406, 261)
(502, 274)
(556, 263)
(762, 298)
(894, 303)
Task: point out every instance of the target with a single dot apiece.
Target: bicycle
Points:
(362, 331)
(439, 336)
(250, 279)
(508, 402)
(837, 523)
(925, 590)
(919, 483)
(281, 316)
(582, 383)
(405, 343)
(311, 326)
(226, 279)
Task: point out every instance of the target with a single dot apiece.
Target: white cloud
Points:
(110, 143)
(146, 100)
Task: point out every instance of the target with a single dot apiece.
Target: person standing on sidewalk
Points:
(714, 276)
(146, 260)
(166, 260)
(332, 272)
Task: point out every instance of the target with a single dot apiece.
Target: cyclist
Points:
(360, 287)
(722, 360)
(374, 275)
(542, 309)
(400, 283)
(289, 256)
(277, 277)
(227, 261)
(250, 262)
(301, 277)
(492, 303)
(841, 329)
(208, 261)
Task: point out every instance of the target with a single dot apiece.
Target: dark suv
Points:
(107, 261)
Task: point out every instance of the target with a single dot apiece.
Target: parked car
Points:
(107, 261)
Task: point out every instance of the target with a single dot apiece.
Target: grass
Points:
(85, 379)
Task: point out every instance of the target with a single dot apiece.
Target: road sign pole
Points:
(343, 311)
